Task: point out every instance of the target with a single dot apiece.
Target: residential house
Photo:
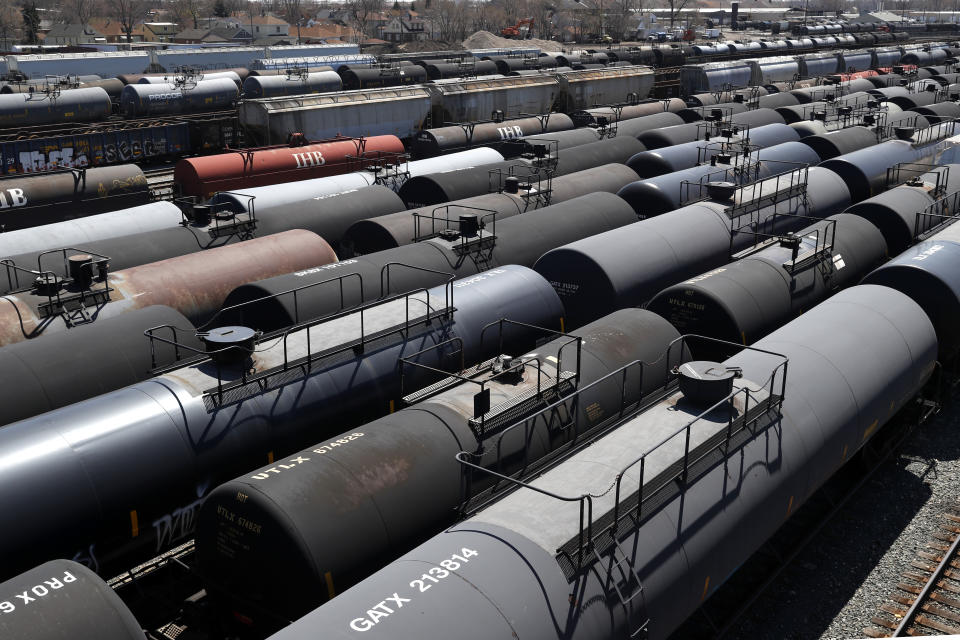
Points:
(112, 31)
(73, 34)
(224, 34)
(268, 25)
(160, 31)
(402, 29)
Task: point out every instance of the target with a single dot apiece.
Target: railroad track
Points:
(927, 602)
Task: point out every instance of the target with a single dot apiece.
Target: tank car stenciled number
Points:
(424, 583)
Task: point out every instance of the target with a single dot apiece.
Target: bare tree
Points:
(186, 12)
(80, 11)
(361, 14)
(620, 16)
(291, 11)
(129, 13)
(10, 22)
(675, 6)
(449, 19)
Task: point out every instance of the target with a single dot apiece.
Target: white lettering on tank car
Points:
(510, 133)
(326, 267)
(838, 262)
(12, 198)
(926, 253)
(564, 288)
(392, 604)
(38, 591)
(704, 276)
(309, 159)
(479, 278)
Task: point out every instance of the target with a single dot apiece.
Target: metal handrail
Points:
(434, 219)
(585, 536)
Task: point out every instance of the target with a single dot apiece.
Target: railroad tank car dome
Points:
(836, 143)
(62, 590)
(929, 273)
(630, 265)
(895, 212)
(309, 550)
(74, 233)
(37, 376)
(39, 199)
(744, 300)
(637, 126)
(865, 170)
(663, 160)
(206, 175)
(520, 240)
(285, 85)
(395, 229)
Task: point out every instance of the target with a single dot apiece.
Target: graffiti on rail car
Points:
(94, 149)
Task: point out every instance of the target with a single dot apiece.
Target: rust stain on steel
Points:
(195, 284)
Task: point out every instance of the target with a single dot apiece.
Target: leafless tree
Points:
(291, 11)
(129, 13)
(11, 20)
(620, 15)
(361, 14)
(449, 19)
(675, 6)
(186, 12)
(80, 11)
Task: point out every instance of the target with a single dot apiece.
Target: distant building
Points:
(268, 25)
(401, 29)
(160, 31)
(73, 34)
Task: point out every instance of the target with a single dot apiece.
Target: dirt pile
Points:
(487, 40)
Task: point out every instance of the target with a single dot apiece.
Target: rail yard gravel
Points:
(836, 584)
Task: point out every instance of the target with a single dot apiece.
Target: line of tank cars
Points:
(543, 380)
(89, 117)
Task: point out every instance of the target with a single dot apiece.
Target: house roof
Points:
(268, 19)
(108, 27)
(72, 31)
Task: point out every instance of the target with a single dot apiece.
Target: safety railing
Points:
(469, 227)
(764, 399)
(733, 143)
(305, 359)
(910, 174)
(47, 282)
(937, 216)
(501, 368)
(815, 243)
